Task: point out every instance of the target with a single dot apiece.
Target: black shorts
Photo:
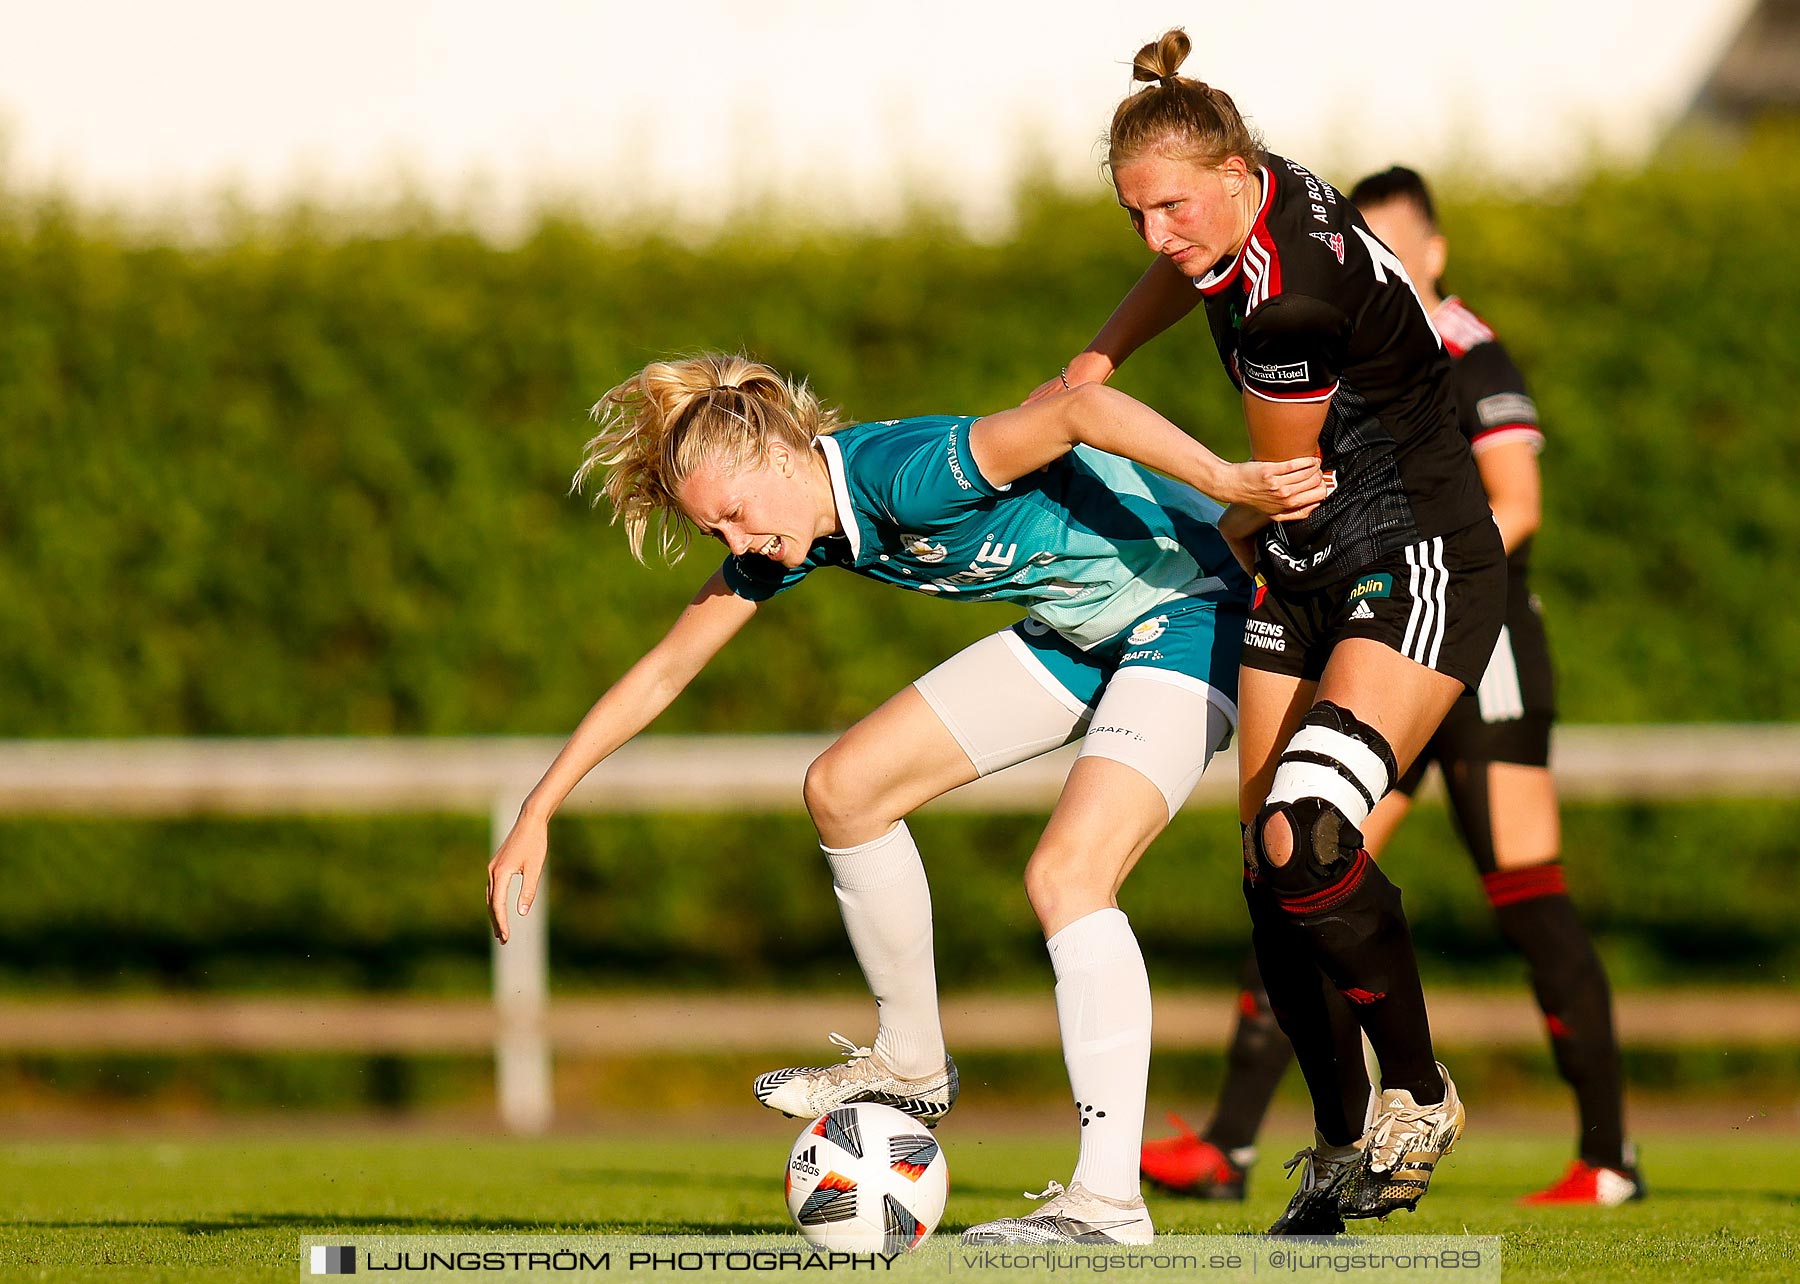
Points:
(1509, 715)
(1440, 602)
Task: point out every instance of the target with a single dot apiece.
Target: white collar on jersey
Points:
(1218, 276)
(840, 494)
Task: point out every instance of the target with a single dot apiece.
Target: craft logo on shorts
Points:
(1334, 241)
(333, 1259)
(1291, 373)
(1378, 585)
(922, 548)
(1148, 630)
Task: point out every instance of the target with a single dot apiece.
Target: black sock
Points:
(1318, 1023)
(1258, 1057)
(1569, 981)
(1357, 931)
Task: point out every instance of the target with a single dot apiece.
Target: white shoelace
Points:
(1053, 1191)
(851, 1049)
(1393, 1132)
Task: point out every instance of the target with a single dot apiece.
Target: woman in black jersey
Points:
(1369, 618)
(1494, 752)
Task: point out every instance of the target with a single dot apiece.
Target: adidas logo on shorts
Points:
(1362, 612)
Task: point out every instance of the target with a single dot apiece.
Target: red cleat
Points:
(1186, 1164)
(1596, 1187)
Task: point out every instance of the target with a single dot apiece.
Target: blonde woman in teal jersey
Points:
(1134, 609)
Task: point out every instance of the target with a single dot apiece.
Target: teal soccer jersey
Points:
(1086, 545)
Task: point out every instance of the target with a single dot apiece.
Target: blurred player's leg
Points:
(1214, 1165)
(1507, 813)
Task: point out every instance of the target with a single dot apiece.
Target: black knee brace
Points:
(1333, 772)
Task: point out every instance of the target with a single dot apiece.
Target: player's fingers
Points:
(528, 887)
(497, 885)
(1295, 514)
(1294, 469)
(1044, 389)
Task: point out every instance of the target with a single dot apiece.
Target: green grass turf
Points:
(1723, 1207)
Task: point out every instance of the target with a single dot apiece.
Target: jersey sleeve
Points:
(1492, 404)
(925, 480)
(1292, 348)
(757, 579)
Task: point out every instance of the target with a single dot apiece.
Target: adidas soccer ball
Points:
(866, 1179)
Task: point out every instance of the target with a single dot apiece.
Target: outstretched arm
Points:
(711, 620)
(1161, 297)
(1015, 442)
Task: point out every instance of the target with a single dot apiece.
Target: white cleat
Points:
(806, 1092)
(1401, 1150)
(1073, 1215)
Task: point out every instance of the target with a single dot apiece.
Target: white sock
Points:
(1103, 1007)
(886, 904)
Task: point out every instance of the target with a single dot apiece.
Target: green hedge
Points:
(309, 478)
(396, 905)
(312, 480)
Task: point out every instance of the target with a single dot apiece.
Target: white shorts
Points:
(1003, 706)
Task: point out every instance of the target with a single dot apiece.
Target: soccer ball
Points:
(866, 1179)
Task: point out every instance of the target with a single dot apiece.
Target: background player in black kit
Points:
(1370, 617)
(1494, 752)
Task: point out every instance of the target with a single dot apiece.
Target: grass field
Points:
(1724, 1206)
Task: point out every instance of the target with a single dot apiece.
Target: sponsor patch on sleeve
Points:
(1292, 375)
(1506, 408)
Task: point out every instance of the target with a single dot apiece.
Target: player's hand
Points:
(1286, 491)
(523, 852)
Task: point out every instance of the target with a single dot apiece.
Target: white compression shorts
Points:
(1003, 707)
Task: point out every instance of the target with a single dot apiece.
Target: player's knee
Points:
(836, 791)
(1330, 776)
(1058, 881)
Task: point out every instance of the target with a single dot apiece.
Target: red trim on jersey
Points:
(1210, 285)
(1459, 327)
(1291, 397)
(1262, 268)
(1502, 434)
(1510, 886)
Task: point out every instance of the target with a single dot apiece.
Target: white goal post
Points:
(491, 776)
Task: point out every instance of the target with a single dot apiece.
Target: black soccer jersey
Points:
(1492, 405)
(1315, 308)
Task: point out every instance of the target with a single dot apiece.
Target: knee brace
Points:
(1333, 772)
